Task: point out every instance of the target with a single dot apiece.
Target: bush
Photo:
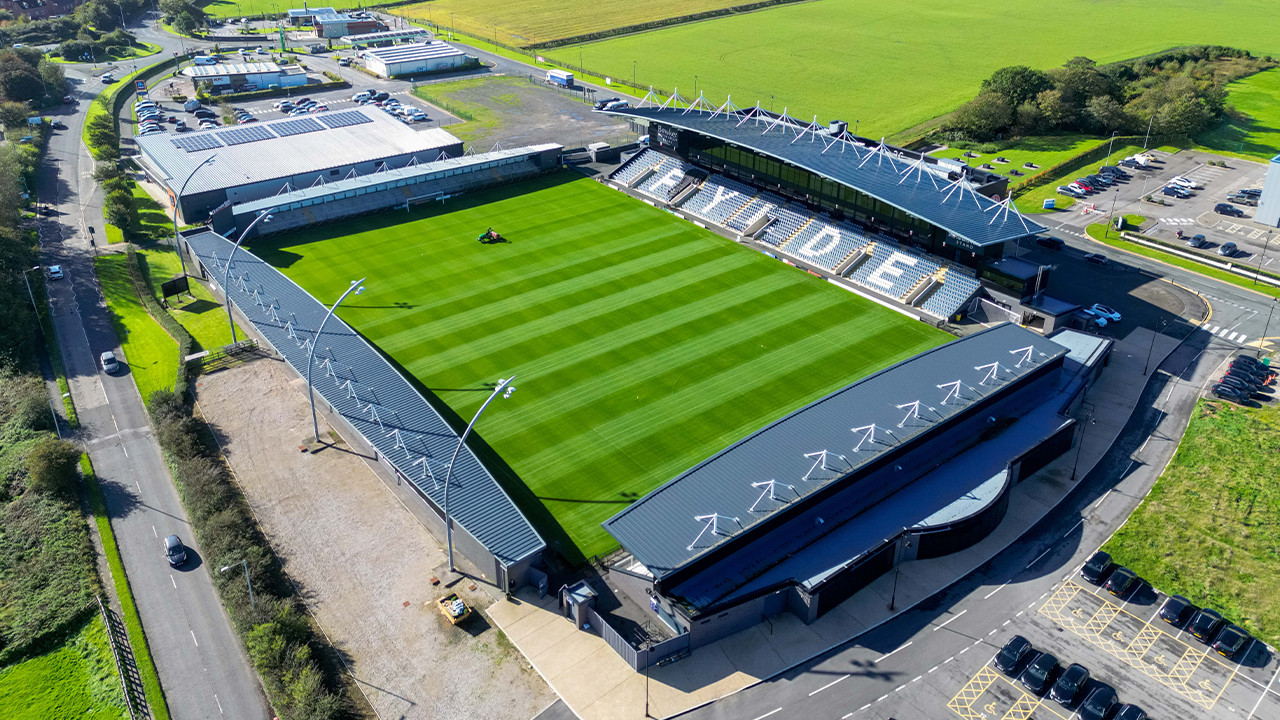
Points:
(23, 401)
(51, 467)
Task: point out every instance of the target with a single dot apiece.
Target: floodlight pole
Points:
(503, 384)
(311, 395)
(1147, 365)
(1266, 329)
(226, 276)
(1084, 427)
(176, 201)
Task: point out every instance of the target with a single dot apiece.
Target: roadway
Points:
(203, 668)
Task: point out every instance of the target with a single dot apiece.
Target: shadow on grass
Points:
(198, 306)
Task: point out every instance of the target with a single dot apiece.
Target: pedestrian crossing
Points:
(1178, 221)
(1225, 333)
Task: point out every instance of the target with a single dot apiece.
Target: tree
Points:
(1184, 116)
(13, 114)
(53, 76)
(1029, 118)
(1105, 114)
(1056, 111)
(100, 131)
(18, 80)
(982, 117)
(51, 466)
(121, 210)
(1018, 83)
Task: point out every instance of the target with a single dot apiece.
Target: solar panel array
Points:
(296, 127)
(239, 135)
(344, 119)
(192, 143)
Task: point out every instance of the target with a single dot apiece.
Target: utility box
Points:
(602, 153)
(563, 78)
(575, 600)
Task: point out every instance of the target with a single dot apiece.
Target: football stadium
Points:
(732, 435)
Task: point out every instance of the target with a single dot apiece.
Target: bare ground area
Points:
(362, 560)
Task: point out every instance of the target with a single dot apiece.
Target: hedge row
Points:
(275, 628)
(167, 321)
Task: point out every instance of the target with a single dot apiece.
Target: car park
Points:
(1122, 582)
(1012, 654)
(1237, 386)
(1204, 624)
(1095, 258)
(1040, 673)
(344, 62)
(109, 362)
(362, 95)
(174, 551)
(1231, 641)
(1129, 711)
(1105, 312)
(1069, 192)
(1095, 569)
(1227, 249)
(1129, 163)
(1228, 209)
(1246, 200)
(54, 272)
(1069, 684)
(1176, 610)
(1099, 704)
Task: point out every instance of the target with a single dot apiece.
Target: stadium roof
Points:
(662, 530)
(412, 52)
(375, 399)
(424, 168)
(385, 35)
(878, 172)
(275, 149)
(200, 71)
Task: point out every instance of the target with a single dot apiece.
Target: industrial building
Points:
(247, 76)
(387, 37)
(916, 461)
(264, 159)
(337, 25)
(307, 16)
(415, 58)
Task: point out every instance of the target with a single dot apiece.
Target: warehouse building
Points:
(246, 76)
(335, 26)
(387, 37)
(267, 158)
(415, 58)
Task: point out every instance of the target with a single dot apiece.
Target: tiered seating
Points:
(955, 291)
(892, 270)
(718, 198)
(825, 244)
(636, 166)
(759, 206)
(666, 175)
(787, 222)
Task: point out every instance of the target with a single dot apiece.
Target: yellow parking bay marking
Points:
(990, 696)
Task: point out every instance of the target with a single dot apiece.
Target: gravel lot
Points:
(363, 562)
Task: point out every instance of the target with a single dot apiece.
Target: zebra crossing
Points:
(1225, 333)
(1178, 221)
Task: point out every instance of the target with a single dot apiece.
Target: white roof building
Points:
(414, 58)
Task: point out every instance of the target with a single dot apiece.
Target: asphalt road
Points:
(203, 668)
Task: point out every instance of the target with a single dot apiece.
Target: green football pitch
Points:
(640, 343)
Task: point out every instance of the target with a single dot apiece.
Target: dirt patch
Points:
(362, 561)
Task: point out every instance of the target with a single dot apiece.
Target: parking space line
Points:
(1266, 689)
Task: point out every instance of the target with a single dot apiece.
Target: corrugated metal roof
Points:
(308, 12)
(965, 214)
(412, 52)
(385, 35)
(661, 529)
(426, 168)
(407, 431)
(230, 69)
(284, 157)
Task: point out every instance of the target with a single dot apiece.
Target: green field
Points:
(1258, 137)
(1208, 528)
(641, 344)
(76, 680)
(248, 8)
(893, 66)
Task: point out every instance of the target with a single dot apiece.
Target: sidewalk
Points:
(598, 684)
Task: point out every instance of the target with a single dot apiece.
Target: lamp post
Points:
(1147, 139)
(1111, 143)
(695, 86)
(1266, 329)
(897, 555)
(29, 293)
(1265, 245)
(177, 199)
(357, 288)
(1147, 364)
(245, 565)
(1084, 427)
(265, 215)
(633, 71)
(503, 385)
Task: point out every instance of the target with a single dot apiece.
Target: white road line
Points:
(953, 657)
(993, 632)
(1232, 337)
(1153, 615)
(993, 592)
(193, 638)
(882, 657)
(135, 484)
(124, 449)
(215, 699)
(1020, 613)
(1033, 562)
(1242, 339)
(882, 697)
(935, 667)
(153, 531)
(953, 617)
(175, 582)
(1006, 622)
(917, 679)
(776, 710)
(965, 650)
(899, 688)
(1266, 689)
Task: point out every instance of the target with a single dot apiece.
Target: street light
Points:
(265, 215)
(1265, 245)
(1147, 139)
(245, 565)
(1147, 364)
(1266, 329)
(1084, 427)
(1111, 143)
(897, 555)
(503, 385)
(357, 288)
(177, 199)
(29, 293)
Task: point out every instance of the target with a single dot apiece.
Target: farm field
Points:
(892, 66)
(74, 680)
(522, 22)
(641, 343)
(1258, 137)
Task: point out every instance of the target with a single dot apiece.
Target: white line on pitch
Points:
(993, 592)
(193, 638)
(953, 617)
(776, 710)
(824, 687)
(882, 657)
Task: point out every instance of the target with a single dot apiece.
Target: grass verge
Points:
(75, 680)
(150, 354)
(54, 349)
(128, 608)
(198, 312)
(1208, 528)
(1253, 133)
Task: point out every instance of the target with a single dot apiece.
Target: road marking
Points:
(965, 650)
(899, 688)
(215, 699)
(1033, 562)
(881, 697)
(193, 638)
(153, 531)
(917, 679)
(953, 617)
(953, 657)
(993, 632)
(135, 484)
(175, 587)
(776, 710)
(1232, 337)
(882, 657)
(935, 667)
(993, 592)
(824, 687)
(1266, 689)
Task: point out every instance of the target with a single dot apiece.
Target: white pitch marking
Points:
(824, 687)
(882, 657)
(776, 710)
(953, 617)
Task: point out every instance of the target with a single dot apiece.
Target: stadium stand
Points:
(787, 221)
(824, 244)
(955, 291)
(718, 198)
(667, 174)
(632, 169)
(753, 211)
(892, 270)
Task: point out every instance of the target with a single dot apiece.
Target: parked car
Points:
(1099, 703)
(1198, 241)
(1227, 249)
(1069, 192)
(1129, 163)
(1251, 192)
(1105, 312)
(1176, 610)
(1183, 182)
(1012, 654)
(1040, 673)
(1231, 641)
(1069, 684)
(362, 95)
(54, 272)
(1129, 711)
(1078, 188)
(344, 62)
(1174, 191)
(1095, 569)
(1228, 209)
(1113, 170)
(418, 116)
(1085, 184)
(1226, 392)
(1095, 258)
(247, 120)
(379, 96)
(109, 362)
(1204, 624)
(175, 551)
(1246, 200)
(1122, 582)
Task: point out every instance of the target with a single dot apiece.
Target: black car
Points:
(1231, 641)
(1122, 582)
(1048, 241)
(1012, 654)
(1129, 711)
(1228, 209)
(1114, 171)
(174, 551)
(1241, 386)
(204, 113)
(1095, 569)
(1226, 392)
(1132, 164)
(380, 96)
(1245, 373)
(1173, 191)
(1176, 610)
(1098, 705)
(1069, 685)
(1204, 624)
(1039, 674)
(1250, 192)
(601, 103)
(1248, 359)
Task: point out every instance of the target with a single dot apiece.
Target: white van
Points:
(203, 60)
(362, 95)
